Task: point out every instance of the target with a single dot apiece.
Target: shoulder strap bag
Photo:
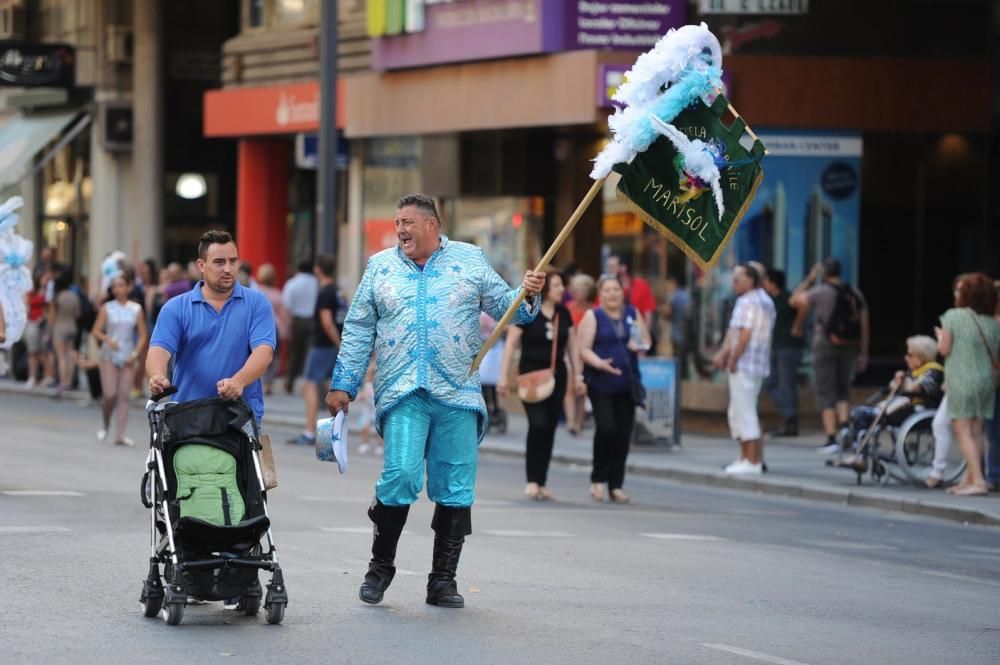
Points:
(993, 358)
(637, 391)
(537, 386)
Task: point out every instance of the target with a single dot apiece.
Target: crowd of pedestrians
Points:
(576, 363)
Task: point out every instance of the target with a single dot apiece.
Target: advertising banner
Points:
(661, 417)
(808, 206)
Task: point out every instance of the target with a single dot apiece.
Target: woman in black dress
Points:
(535, 341)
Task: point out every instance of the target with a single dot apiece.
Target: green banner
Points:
(656, 187)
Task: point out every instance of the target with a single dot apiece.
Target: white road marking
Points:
(358, 564)
(366, 500)
(41, 493)
(682, 536)
(845, 545)
(33, 529)
(963, 578)
(755, 655)
(979, 549)
(365, 530)
(513, 533)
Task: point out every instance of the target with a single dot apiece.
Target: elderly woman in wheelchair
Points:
(906, 403)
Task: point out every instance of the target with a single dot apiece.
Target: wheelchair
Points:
(893, 449)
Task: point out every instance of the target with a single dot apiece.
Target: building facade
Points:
(496, 107)
(100, 155)
(268, 110)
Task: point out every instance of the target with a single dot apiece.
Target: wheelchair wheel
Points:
(915, 450)
(883, 449)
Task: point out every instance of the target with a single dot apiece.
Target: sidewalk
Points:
(794, 469)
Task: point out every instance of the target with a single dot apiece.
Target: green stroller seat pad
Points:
(206, 485)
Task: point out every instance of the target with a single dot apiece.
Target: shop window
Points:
(507, 228)
(294, 13)
(253, 11)
(280, 14)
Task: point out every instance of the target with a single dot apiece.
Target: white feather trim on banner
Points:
(683, 66)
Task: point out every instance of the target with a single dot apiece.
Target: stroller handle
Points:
(166, 393)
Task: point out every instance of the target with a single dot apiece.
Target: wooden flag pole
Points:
(542, 264)
(746, 127)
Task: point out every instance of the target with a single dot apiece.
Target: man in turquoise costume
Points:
(417, 308)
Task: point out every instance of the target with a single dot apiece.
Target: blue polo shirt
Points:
(208, 346)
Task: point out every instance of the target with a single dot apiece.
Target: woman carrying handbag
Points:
(610, 337)
(542, 378)
(968, 339)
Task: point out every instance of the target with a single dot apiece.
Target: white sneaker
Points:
(744, 468)
(735, 466)
(125, 441)
(102, 434)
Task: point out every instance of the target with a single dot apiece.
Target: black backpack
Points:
(88, 313)
(844, 326)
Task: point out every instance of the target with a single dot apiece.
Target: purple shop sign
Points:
(474, 30)
(468, 30)
(624, 25)
(609, 77)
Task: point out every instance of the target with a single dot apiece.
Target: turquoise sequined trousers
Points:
(420, 431)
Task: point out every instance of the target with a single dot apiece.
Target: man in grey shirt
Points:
(299, 298)
(835, 360)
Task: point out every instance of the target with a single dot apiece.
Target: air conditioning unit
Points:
(118, 44)
(12, 20)
(116, 126)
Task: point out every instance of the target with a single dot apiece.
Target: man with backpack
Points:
(840, 341)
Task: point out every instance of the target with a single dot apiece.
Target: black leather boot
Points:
(450, 525)
(389, 521)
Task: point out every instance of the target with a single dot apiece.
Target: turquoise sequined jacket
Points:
(423, 326)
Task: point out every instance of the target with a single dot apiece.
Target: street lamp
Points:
(191, 186)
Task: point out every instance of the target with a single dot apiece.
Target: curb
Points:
(810, 492)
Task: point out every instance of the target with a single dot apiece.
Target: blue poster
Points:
(662, 412)
(807, 207)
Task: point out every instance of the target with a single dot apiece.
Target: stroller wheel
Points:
(151, 607)
(249, 605)
(275, 613)
(174, 613)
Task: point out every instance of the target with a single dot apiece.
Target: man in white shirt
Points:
(746, 354)
(299, 298)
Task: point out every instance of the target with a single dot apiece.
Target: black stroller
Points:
(208, 510)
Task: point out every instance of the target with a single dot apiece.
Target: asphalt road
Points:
(684, 574)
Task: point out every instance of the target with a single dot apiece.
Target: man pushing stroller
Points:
(221, 338)
(219, 334)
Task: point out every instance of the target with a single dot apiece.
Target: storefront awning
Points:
(24, 136)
